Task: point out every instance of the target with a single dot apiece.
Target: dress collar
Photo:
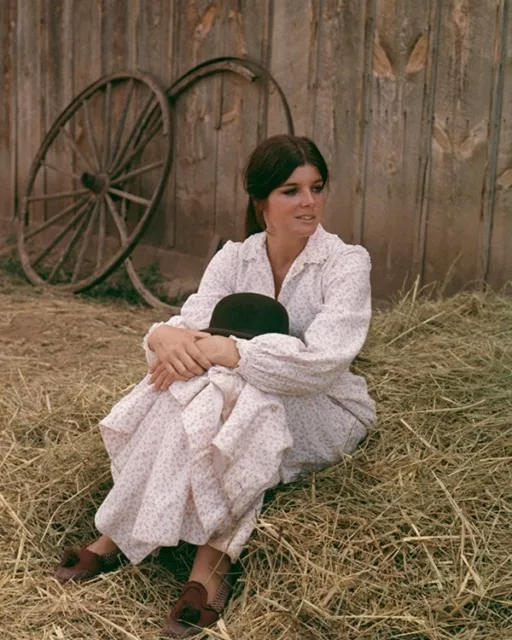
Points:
(314, 251)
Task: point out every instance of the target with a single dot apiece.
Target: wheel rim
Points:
(95, 182)
(249, 70)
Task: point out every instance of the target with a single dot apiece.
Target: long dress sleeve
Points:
(217, 282)
(287, 365)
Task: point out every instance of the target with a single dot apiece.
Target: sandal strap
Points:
(218, 603)
(111, 561)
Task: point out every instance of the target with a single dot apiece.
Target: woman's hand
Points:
(179, 357)
(220, 350)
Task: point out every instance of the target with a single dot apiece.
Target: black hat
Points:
(246, 315)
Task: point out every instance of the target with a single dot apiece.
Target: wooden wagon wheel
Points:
(251, 71)
(75, 226)
(241, 66)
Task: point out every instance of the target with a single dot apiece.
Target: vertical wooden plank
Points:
(155, 55)
(87, 40)
(425, 151)
(7, 116)
(120, 40)
(57, 79)
(29, 93)
(200, 31)
(399, 90)
(293, 41)
(120, 44)
(88, 66)
(243, 32)
(500, 241)
(460, 137)
(120, 35)
(341, 107)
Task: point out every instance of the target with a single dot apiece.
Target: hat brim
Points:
(228, 332)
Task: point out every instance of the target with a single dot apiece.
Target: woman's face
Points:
(296, 208)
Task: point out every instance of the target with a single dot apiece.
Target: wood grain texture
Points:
(57, 81)
(338, 112)
(88, 65)
(500, 246)
(200, 35)
(409, 102)
(460, 149)
(493, 136)
(293, 42)
(365, 126)
(7, 112)
(238, 114)
(29, 88)
(120, 44)
(155, 54)
(399, 90)
(429, 129)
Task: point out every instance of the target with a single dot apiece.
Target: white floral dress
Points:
(192, 463)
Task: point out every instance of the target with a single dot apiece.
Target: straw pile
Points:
(411, 538)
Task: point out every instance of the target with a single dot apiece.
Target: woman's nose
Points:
(307, 198)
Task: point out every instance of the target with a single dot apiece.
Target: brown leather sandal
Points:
(82, 564)
(192, 612)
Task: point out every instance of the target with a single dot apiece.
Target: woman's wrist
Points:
(154, 337)
(220, 350)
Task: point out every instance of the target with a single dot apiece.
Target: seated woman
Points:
(221, 418)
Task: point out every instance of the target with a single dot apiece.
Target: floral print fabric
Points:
(192, 463)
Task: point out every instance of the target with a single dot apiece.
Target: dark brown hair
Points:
(270, 165)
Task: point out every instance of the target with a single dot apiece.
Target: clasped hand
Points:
(185, 353)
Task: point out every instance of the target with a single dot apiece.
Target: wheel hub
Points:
(97, 183)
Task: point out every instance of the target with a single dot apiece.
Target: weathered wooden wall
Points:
(410, 100)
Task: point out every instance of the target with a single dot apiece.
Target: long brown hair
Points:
(270, 165)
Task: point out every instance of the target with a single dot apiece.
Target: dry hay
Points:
(409, 539)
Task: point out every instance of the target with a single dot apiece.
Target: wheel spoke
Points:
(90, 135)
(64, 173)
(102, 225)
(85, 242)
(142, 144)
(136, 129)
(122, 122)
(54, 219)
(107, 114)
(138, 172)
(117, 219)
(58, 196)
(84, 237)
(71, 245)
(130, 197)
(79, 215)
(124, 211)
(74, 146)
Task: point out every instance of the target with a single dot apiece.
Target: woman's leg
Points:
(209, 568)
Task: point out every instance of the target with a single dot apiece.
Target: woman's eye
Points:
(290, 192)
(318, 189)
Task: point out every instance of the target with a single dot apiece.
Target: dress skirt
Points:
(193, 462)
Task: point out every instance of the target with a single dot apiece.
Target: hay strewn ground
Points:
(410, 539)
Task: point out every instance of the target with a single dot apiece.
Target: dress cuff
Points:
(174, 321)
(242, 344)
(150, 354)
